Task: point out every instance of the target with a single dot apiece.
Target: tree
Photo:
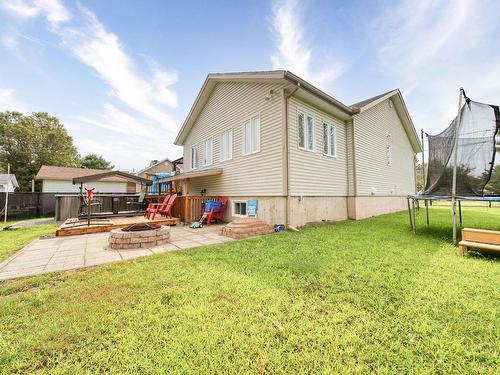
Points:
(29, 141)
(94, 161)
(420, 177)
(493, 185)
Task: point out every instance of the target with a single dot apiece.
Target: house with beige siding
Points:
(301, 154)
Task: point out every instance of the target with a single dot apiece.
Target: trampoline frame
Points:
(414, 199)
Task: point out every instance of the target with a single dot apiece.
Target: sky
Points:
(122, 75)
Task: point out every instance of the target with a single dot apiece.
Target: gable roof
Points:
(257, 76)
(401, 109)
(341, 110)
(154, 165)
(51, 172)
(6, 178)
(105, 175)
(363, 103)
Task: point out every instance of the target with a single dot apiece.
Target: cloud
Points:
(88, 40)
(8, 102)
(9, 41)
(432, 48)
(140, 99)
(293, 52)
(93, 45)
(115, 120)
(53, 10)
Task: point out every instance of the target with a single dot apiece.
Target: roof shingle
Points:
(51, 172)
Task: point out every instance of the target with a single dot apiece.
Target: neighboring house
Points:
(8, 183)
(159, 168)
(60, 180)
(304, 156)
(156, 166)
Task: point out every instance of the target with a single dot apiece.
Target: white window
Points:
(251, 135)
(239, 208)
(388, 153)
(208, 151)
(329, 139)
(306, 131)
(226, 145)
(194, 157)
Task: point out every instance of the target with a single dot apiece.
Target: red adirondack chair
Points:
(154, 208)
(216, 214)
(167, 209)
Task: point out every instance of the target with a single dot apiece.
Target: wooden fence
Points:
(189, 208)
(28, 205)
(68, 205)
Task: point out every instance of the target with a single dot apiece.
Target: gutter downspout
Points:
(287, 150)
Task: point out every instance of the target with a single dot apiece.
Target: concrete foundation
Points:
(364, 207)
(307, 210)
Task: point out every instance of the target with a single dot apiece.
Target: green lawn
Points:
(350, 297)
(13, 240)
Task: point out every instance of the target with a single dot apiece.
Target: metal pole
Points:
(423, 160)
(427, 211)
(460, 212)
(454, 181)
(413, 216)
(409, 212)
(7, 194)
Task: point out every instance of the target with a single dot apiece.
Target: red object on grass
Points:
(215, 213)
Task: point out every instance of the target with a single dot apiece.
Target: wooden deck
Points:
(75, 226)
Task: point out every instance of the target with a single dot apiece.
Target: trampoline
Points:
(461, 160)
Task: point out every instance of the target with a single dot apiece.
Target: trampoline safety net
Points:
(479, 124)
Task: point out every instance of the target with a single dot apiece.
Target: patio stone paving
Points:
(66, 253)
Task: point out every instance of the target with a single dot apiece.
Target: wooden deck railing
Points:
(189, 208)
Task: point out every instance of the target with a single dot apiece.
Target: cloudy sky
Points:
(122, 75)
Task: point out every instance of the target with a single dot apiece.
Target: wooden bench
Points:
(479, 238)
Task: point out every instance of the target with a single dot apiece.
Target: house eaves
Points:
(258, 76)
(401, 109)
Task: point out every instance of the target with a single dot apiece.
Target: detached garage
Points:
(60, 180)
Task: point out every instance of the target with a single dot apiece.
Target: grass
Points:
(350, 297)
(13, 240)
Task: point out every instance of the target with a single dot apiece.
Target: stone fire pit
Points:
(139, 235)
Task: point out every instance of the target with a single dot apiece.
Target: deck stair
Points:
(246, 227)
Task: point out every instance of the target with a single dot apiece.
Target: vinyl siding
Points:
(313, 173)
(229, 105)
(350, 159)
(64, 186)
(371, 129)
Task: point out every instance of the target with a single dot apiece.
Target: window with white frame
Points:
(194, 157)
(226, 145)
(306, 131)
(329, 139)
(208, 152)
(251, 135)
(239, 208)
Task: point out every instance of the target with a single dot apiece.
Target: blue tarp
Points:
(153, 189)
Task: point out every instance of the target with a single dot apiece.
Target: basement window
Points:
(239, 208)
